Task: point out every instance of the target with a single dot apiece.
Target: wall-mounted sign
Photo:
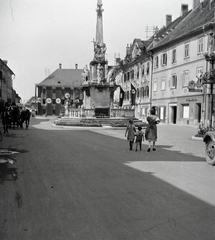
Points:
(58, 101)
(48, 100)
(194, 87)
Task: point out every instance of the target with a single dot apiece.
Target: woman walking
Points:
(151, 130)
(130, 132)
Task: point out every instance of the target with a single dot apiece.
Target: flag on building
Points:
(133, 94)
(121, 96)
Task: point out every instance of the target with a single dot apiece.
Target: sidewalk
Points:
(170, 137)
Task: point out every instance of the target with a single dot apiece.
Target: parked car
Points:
(209, 139)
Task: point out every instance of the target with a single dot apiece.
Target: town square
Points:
(119, 147)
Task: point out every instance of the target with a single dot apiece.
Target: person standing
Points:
(130, 133)
(151, 130)
(139, 138)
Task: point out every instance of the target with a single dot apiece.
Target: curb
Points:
(197, 138)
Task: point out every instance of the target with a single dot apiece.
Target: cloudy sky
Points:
(37, 35)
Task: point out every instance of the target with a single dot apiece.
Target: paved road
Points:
(87, 185)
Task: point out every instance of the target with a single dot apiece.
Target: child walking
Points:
(130, 133)
(139, 138)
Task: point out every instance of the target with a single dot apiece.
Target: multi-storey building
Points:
(63, 85)
(162, 68)
(178, 59)
(6, 84)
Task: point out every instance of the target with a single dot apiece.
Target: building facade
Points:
(6, 84)
(61, 87)
(162, 69)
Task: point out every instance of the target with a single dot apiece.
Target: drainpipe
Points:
(150, 97)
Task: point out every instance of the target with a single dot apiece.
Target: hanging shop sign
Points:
(192, 86)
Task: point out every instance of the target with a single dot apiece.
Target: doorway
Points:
(173, 114)
(198, 112)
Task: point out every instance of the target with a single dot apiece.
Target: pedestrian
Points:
(130, 133)
(139, 138)
(5, 118)
(151, 130)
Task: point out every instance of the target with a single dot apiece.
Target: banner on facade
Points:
(121, 97)
(133, 94)
(48, 100)
(58, 101)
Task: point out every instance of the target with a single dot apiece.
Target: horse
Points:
(25, 117)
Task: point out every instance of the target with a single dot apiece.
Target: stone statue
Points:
(86, 74)
(99, 50)
(99, 73)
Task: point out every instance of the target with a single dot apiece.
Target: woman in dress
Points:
(151, 130)
(130, 132)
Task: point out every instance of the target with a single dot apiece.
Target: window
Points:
(173, 55)
(137, 72)
(173, 81)
(163, 84)
(187, 50)
(155, 85)
(147, 69)
(142, 92)
(132, 74)
(146, 91)
(138, 93)
(125, 77)
(156, 62)
(186, 110)
(143, 71)
(164, 59)
(200, 45)
(185, 78)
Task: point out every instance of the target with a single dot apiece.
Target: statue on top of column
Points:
(99, 50)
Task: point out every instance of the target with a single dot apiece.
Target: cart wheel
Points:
(210, 152)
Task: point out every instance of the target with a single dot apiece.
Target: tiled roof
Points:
(193, 20)
(64, 77)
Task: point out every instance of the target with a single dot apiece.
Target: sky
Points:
(37, 35)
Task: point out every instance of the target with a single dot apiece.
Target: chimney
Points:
(195, 3)
(117, 58)
(5, 62)
(127, 50)
(60, 65)
(168, 19)
(184, 9)
(76, 66)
